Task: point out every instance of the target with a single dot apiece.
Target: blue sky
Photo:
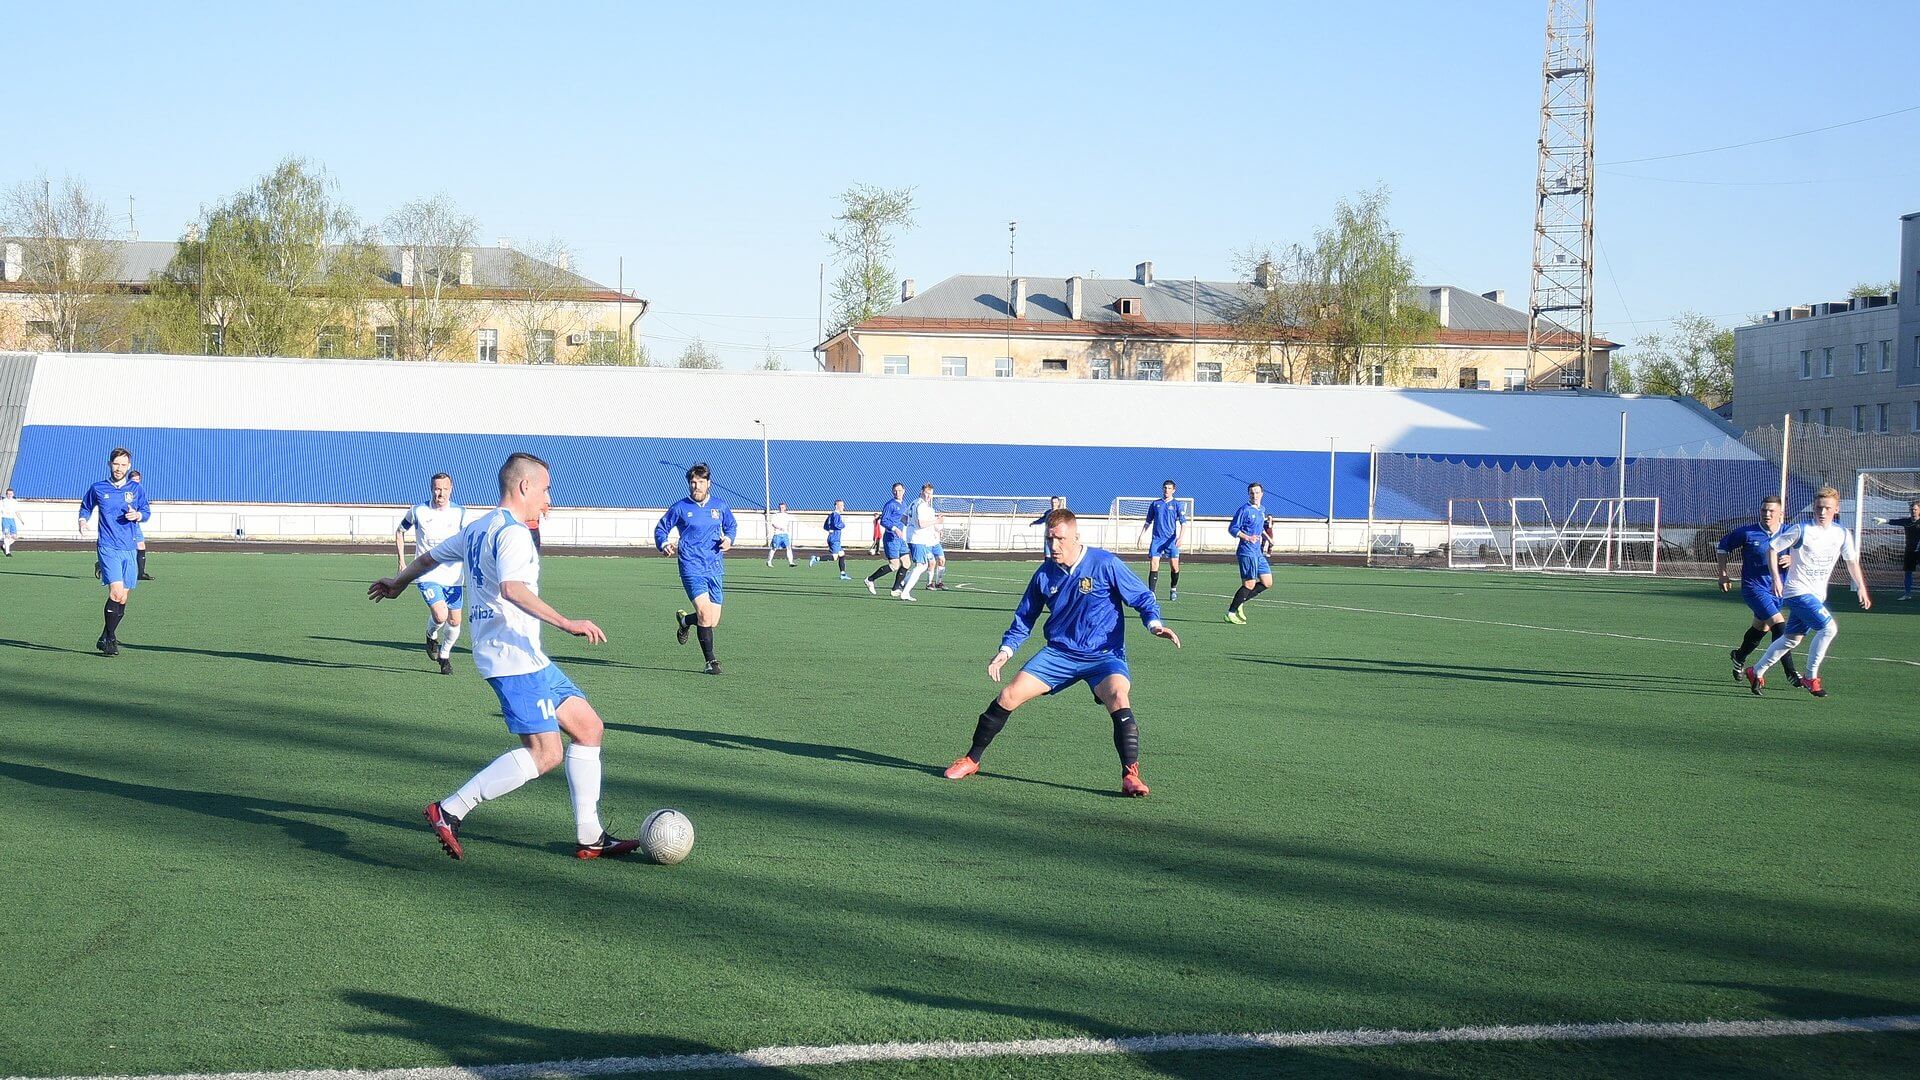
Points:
(706, 146)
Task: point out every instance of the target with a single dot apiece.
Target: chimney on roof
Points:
(10, 262)
(406, 267)
(504, 241)
(906, 289)
(466, 268)
(1263, 274)
(193, 233)
(1076, 297)
(1143, 273)
(1019, 298)
(565, 261)
(1437, 302)
(1498, 296)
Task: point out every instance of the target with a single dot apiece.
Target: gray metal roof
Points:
(492, 268)
(984, 296)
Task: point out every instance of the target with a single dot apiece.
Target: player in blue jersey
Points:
(836, 528)
(705, 530)
(1754, 543)
(1083, 589)
(122, 506)
(1166, 520)
(1054, 502)
(893, 543)
(1256, 575)
(537, 699)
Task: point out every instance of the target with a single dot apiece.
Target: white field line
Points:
(774, 1057)
(1269, 598)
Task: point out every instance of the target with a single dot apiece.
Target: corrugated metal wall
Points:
(16, 382)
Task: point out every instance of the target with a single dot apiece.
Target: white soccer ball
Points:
(666, 836)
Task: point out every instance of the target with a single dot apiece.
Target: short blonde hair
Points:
(1827, 493)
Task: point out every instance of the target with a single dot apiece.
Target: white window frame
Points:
(1100, 367)
(1859, 419)
(1207, 371)
(953, 365)
(1884, 415)
(213, 338)
(1003, 367)
(1427, 373)
(1859, 358)
(541, 345)
(1826, 361)
(1806, 363)
(1886, 355)
(486, 346)
(1153, 364)
(385, 343)
(1268, 374)
(1516, 378)
(896, 364)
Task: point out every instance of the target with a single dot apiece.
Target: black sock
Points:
(1126, 737)
(1748, 641)
(1786, 662)
(842, 561)
(140, 558)
(1153, 580)
(1258, 588)
(706, 642)
(1240, 596)
(990, 724)
(899, 579)
(1175, 580)
(115, 612)
(689, 618)
(880, 573)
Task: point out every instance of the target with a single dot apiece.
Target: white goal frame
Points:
(1860, 516)
(1604, 527)
(1123, 528)
(1597, 536)
(992, 522)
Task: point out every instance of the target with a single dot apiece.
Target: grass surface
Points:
(211, 856)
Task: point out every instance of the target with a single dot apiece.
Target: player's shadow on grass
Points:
(1560, 677)
(463, 1037)
(42, 573)
(265, 658)
(34, 646)
(1821, 1003)
(418, 647)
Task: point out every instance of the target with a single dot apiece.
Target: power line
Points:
(1762, 183)
(1770, 139)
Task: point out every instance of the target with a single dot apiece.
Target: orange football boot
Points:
(962, 769)
(1130, 784)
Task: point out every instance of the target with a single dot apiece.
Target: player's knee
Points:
(453, 616)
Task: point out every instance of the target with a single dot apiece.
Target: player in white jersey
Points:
(780, 526)
(923, 538)
(9, 522)
(430, 523)
(538, 701)
(1817, 546)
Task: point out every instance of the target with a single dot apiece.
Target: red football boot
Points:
(1813, 687)
(1130, 784)
(962, 769)
(446, 828)
(1754, 681)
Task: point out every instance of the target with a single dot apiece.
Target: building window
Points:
(1100, 367)
(383, 342)
(213, 339)
(1206, 371)
(1826, 362)
(1377, 375)
(1149, 370)
(540, 347)
(1886, 355)
(1859, 419)
(1053, 364)
(1916, 416)
(1860, 358)
(1806, 417)
(1516, 378)
(1003, 367)
(953, 365)
(1826, 420)
(893, 365)
(40, 330)
(1267, 373)
(603, 346)
(1426, 373)
(1881, 412)
(1469, 378)
(486, 346)
(328, 343)
(1806, 363)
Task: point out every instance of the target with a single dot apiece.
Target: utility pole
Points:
(1560, 302)
(1012, 228)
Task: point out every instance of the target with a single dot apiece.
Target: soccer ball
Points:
(666, 836)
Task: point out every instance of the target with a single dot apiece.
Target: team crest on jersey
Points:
(715, 513)
(1086, 585)
(126, 496)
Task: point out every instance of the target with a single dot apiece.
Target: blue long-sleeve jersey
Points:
(116, 532)
(1165, 516)
(893, 516)
(1249, 520)
(1754, 543)
(836, 524)
(701, 526)
(1084, 602)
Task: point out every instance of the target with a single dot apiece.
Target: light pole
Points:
(766, 472)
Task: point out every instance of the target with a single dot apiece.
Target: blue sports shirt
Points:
(701, 526)
(1166, 516)
(1752, 542)
(893, 516)
(1084, 601)
(116, 532)
(1249, 519)
(835, 525)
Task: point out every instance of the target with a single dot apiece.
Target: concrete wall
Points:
(1768, 380)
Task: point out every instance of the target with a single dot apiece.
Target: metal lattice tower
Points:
(1560, 304)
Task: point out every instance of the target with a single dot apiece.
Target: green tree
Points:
(862, 244)
(1693, 359)
(699, 357)
(1867, 288)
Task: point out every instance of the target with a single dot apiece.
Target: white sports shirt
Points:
(430, 527)
(781, 522)
(1816, 549)
(10, 508)
(926, 529)
(496, 549)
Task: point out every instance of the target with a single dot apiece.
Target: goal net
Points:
(1597, 535)
(992, 522)
(1881, 497)
(1127, 515)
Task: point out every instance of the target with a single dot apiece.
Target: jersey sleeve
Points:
(1239, 525)
(1031, 603)
(87, 503)
(1848, 552)
(141, 504)
(663, 530)
(406, 521)
(515, 558)
(1730, 543)
(1786, 539)
(727, 523)
(1134, 593)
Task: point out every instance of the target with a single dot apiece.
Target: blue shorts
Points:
(1253, 564)
(119, 564)
(440, 594)
(1805, 614)
(833, 543)
(531, 702)
(939, 551)
(9, 526)
(781, 541)
(1164, 549)
(1060, 671)
(922, 553)
(893, 547)
(1760, 600)
(702, 583)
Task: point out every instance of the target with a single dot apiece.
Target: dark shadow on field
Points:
(262, 658)
(464, 1037)
(34, 646)
(418, 647)
(1559, 679)
(1549, 586)
(1809, 1002)
(42, 573)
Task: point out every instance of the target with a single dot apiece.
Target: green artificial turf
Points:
(211, 856)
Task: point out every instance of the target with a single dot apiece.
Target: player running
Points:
(9, 522)
(1755, 544)
(122, 504)
(893, 540)
(1816, 546)
(924, 539)
(1256, 574)
(780, 529)
(1910, 556)
(432, 523)
(706, 530)
(1084, 589)
(1166, 519)
(836, 527)
(537, 699)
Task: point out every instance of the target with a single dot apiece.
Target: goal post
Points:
(992, 522)
(1613, 535)
(1880, 496)
(1127, 514)
(1597, 535)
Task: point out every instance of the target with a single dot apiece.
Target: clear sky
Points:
(704, 144)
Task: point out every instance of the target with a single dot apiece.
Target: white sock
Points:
(433, 628)
(448, 635)
(1822, 638)
(507, 773)
(914, 577)
(939, 573)
(583, 782)
(1775, 651)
